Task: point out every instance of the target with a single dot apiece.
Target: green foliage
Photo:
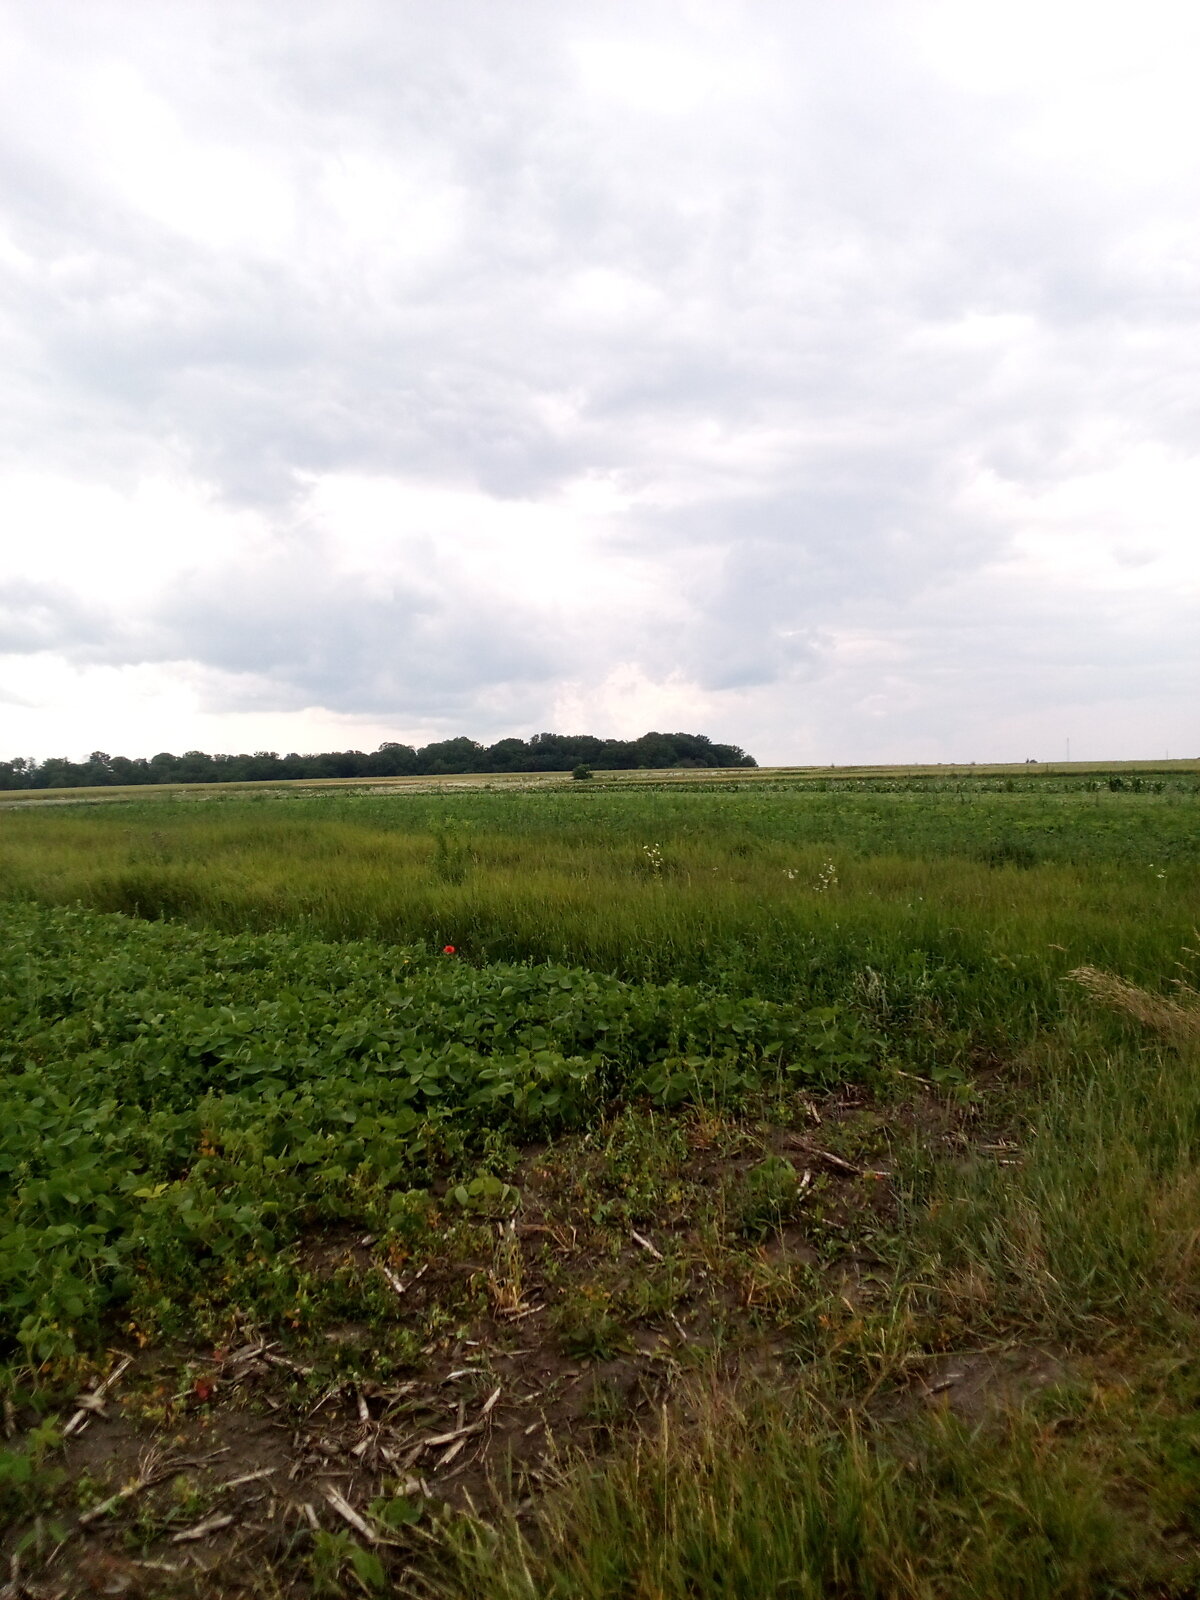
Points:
(587, 1326)
(396, 1511)
(173, 1102)
(180, 1106)
(1009, 852)
(27, 1479)
(734, 902)
(174, 1098)
(488, 1195)
(451, 858)
(340, 1566)
(545, 752)
(767, 1197)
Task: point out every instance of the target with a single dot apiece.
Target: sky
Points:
(818, 376)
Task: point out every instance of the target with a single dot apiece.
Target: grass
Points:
(751, 1502)
(1101, 1229)
(926, 888)
(1089, 1487)
(806, 1169)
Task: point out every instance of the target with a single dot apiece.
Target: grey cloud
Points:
(350, 644)
(261, 369)
(806, 261)
(42, 616)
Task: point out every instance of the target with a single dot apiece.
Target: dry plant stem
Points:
(401, 1288)
(838, 1163)
(1178, 1020)
(92, 1404)
(348, 1514)
(153, 1471)
(202, 1529)
(650, 1249)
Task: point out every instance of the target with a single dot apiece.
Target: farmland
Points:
(672, 1186)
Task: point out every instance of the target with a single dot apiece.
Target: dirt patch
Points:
(977, 1382)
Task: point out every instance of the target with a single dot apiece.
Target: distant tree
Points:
(544, 752)
(194, 766)
(17, 773)
(392, 760)
(451, 755)
(508, 755)
(654, 750)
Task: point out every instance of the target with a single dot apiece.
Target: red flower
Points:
(449, 950)
(203, 1390)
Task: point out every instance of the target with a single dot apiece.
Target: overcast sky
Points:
(820, 376)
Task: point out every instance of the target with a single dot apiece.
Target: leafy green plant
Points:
(587, 1326)
(488, 1195)
(767, 1195)
(28, 1481)
(336, 1559)
(394, 1512)
(178, 1103)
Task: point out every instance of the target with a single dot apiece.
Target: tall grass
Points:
(737, 889)
(1177, 1019)
(1095, 1224)
(776, 1500)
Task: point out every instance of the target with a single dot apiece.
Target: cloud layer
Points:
(817, 376)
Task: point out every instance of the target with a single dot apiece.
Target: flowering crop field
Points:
(666, 1187)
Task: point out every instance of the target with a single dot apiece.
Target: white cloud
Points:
(219, 194)
(816, 376)
(628, 701)
(668, 77)
(119, 547)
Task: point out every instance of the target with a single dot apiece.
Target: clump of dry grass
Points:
(506, 1279)
(1177, 1019)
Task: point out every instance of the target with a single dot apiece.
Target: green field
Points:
(773, 1183)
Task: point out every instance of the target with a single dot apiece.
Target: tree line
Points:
(544, 752)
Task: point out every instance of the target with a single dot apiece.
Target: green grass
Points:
(1098, 1226)
(935, 891)
(229, 1026)
(751, 1502)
